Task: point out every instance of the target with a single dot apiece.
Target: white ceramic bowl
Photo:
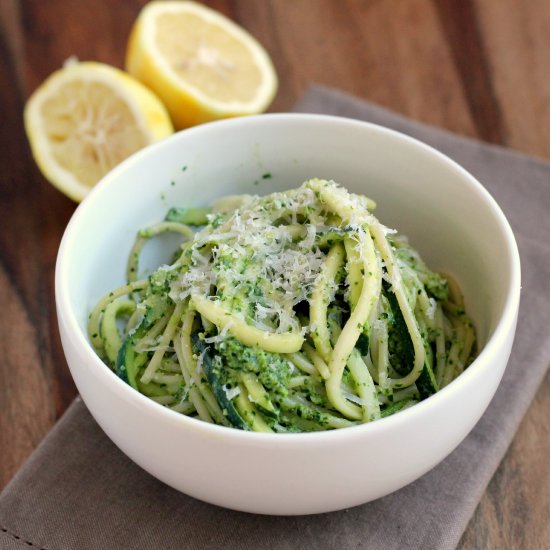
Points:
(447, 214)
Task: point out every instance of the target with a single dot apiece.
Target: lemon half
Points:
(201, 64)
(85, 119)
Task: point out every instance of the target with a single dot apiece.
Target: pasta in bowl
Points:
(309, 384)
(296, 311)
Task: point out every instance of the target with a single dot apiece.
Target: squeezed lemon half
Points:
(201, 64)
(85, 119)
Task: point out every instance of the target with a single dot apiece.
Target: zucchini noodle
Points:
(296, 311)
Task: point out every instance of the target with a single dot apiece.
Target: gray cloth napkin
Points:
(79, 491)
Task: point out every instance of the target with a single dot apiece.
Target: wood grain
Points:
(460, 25)
(517, 45)
(476, 67)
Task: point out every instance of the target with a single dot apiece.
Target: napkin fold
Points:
(78, 491)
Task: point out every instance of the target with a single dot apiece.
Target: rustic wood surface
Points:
(476, 67)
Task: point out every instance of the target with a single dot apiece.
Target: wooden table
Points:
(477, 67)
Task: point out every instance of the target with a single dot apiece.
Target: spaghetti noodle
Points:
(296, 311)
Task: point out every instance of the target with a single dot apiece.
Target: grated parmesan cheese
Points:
(262, 258)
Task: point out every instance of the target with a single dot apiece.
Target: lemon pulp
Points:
(85, 119)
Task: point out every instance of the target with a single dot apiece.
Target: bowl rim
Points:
(502, 330)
